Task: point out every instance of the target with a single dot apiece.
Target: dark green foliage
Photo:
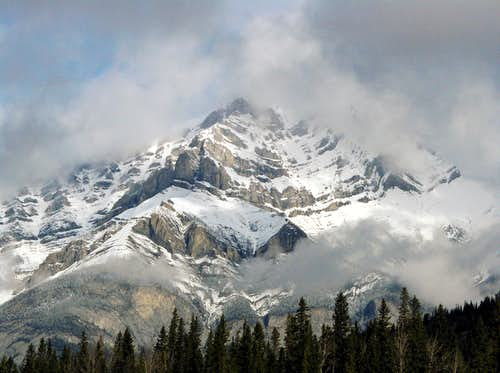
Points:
(341, 333)
(83, 357)
(301, 346)
(29, 362)
(404, 310)
(219, 362)
(243, 351)
(481, 354)
(159, 363)
(66, 361)
(7, 365)
(258, 349)
(128, 352)
(417, 339)
(100, 357)
(171, 340)
(384, 339)
(465, 339)
(142, 365)
(193, 355)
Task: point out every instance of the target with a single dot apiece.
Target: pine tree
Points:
(258, 348)
(272, 352)
(52, 360)
(341, 330)
(417, 355)
(83, 357)
(372, 355)
(441, 344)
(244, 353)
(401, 339)
(301, 349)
(7, 365)
(327, 346)
(141, 362)
(302, 338)
(209, 352)
(220, 358)
(293, 349)
(128, 352)
(312, 358)
(66, 361)
(159, 364)
(29, 362)
(42, 357)
(404, 309)
(384, 339)
(194, 358)
(179, 347)
(481, 356)
(117, 363)
(172, 338)
(99, 357)
(441, 329)
(357, 350)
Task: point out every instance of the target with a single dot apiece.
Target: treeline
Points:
(464, 339)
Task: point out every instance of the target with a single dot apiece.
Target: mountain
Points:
(184, 223)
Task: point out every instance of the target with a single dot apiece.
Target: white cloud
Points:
(439, 271)
(182, 62)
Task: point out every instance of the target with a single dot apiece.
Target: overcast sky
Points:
(92, 80)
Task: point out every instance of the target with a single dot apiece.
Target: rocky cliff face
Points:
(122, 243)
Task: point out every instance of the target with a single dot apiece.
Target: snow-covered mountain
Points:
(124, 242)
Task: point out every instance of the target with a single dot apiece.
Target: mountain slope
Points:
(123, 243)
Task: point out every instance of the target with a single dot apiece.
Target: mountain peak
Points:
(247, 184)
(241, 106)
(237, 106)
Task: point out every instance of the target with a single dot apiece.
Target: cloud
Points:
(380, 32)
(8, 281)
(437, 272)
(114, 115)
(299, 64)
(122, 19)
(96, 81)
(62, 108)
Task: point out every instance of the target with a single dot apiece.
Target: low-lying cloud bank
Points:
(440, 271)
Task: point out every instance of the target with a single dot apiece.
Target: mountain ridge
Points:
(242, 185)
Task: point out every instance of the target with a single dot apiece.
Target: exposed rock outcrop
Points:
(282, 242)
(216, 175)
(155, 183)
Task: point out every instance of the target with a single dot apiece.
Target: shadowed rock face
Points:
(139, 192)
(238, 106)
(60, 260)
(179, 233)
(282, 242)
(213, 174)
(200, 242)
(395, 181)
